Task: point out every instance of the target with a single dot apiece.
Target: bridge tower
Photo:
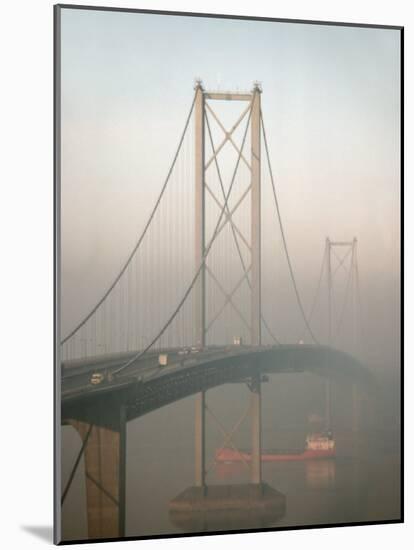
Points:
(352, 288)
(334, 325)
(201, 105)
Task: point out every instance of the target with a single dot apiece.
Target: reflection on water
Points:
(361, 484)
(320, 474)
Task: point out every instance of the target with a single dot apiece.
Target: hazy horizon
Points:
(331, 105)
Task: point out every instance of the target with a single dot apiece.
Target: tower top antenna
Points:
(257, 86)
(198, 84)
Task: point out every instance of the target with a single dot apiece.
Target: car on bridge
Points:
(163, 359)
(97, 378)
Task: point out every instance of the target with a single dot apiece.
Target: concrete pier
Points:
(200, 439)
(227, 506)
(256, 427)
(105, 467)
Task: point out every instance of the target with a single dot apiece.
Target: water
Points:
(361, 484)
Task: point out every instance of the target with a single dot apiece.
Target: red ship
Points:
(318, 445)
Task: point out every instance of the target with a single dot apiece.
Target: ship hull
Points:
(230, 455)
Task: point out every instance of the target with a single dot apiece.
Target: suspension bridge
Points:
(185, 312)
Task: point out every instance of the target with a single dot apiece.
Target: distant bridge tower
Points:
(352, 294)
(254, 110)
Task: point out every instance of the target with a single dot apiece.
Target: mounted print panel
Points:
(228, 274)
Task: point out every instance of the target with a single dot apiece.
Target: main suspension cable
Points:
(151, 217)
(236, 241)
(292, 275)
(138, 355)
(318, 287)
(349, 285)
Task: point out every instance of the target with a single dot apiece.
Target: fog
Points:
(332, 121)
(331, 108)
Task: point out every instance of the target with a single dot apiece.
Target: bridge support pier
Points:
(256, 427)
(105, 467)
(200, 440)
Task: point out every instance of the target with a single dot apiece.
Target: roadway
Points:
(146, 385)
(76, 374)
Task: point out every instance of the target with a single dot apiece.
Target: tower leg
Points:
(256, 410)
(200, 285)
(200, 440)
(199, 222)
(256, 221)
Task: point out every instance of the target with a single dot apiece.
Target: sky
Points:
(331, 105)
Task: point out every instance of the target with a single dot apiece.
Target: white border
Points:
(26, 227)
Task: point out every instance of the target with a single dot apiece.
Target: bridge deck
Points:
(146, 385)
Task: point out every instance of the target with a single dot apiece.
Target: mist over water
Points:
(361, 484)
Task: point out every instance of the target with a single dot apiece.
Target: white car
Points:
(163, 359)
(97, 378)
